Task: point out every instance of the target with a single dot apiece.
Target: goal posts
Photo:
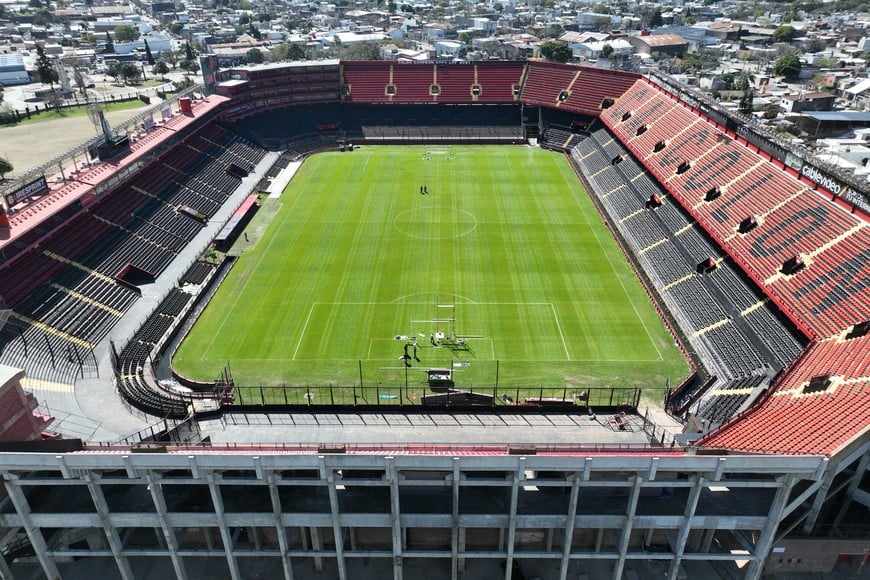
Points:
(442, 324)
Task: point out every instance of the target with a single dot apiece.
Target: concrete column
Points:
(161, 539)
(5, 572)
(462, 546)
(226, 536)
(327, 475)
(156, 489)
(456, 564)
(209, 540)
(395, 516)
(707, 541)
(774, 515)
(317, 546)
(283, 544)
(818, 501)
(19, 500)
(599, 539)
(108, 528)
(570, 520)
(850, 491)
(688, 515)
(254, 536)
(519, 475)
(626, 529)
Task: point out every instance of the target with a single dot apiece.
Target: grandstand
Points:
(760, 272)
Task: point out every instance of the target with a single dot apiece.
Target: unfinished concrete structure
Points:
(237, 512)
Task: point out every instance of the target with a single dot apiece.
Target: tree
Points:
(361, 51)
(556, 51)
(655, 19)
(184, 83)
(44, 67)
(745, 105)
(189, 65)
(788, 65)
(115, 71)
(176, 28)
(745, 85)
(149, 58)
(295, 52)
(279, 52)
(771, 111)
(188, 51)
(169, 57)
(110, 46)
(287, 51)
(130, 72)
(784, 33)
(160, 68)
(5, 167)
(827, 62)
(255, 32)
(606, 51)
(43, 17)
(126, 33)
(255, 56)
(552, 31)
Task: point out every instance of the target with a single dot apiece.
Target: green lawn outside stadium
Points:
(505, 251)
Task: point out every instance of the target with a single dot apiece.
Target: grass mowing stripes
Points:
(506, 241)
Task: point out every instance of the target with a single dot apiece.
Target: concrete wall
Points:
(815, 555)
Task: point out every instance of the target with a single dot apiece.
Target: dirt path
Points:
(26, 146)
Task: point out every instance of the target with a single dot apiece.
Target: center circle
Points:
(435, 223)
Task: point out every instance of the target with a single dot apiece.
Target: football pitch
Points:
(488, 260)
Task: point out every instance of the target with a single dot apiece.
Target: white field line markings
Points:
(559, 326)
(491, 342)
(512, 360)
(394, 303)
(406, 296)
(624, 289)
(304, 328)
(256, 268)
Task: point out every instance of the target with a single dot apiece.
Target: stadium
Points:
(369, 319)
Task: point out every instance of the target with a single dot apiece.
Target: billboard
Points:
(822, 179)
(36, 187)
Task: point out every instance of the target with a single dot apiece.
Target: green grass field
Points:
(507, 244)
(81, 111)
